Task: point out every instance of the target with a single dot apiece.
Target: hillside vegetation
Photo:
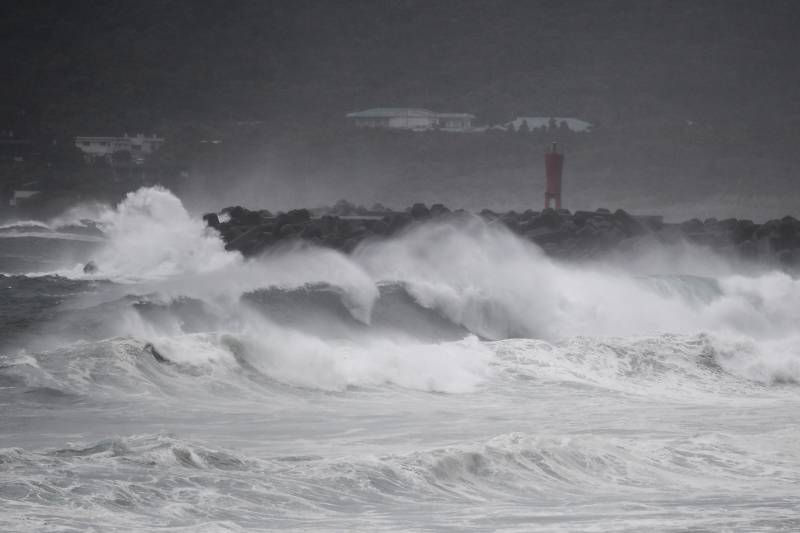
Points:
(690, 99)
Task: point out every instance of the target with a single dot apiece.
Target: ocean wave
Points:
(452, 377)
(676, 367)
(412, 310)
(55, 235)
(264, 360)
(25, 225)
(478, 276)
(163, 477)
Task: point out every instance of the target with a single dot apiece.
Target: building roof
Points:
(405, 112)
(389, 112)
(455, 115)
(139, 137)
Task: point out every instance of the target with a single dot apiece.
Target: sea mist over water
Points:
(452, 375)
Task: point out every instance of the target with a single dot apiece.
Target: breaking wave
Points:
(162, 475)
(417, 310)
(452, 377)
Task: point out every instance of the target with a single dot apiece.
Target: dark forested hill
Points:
(691, 99)
(123, 63)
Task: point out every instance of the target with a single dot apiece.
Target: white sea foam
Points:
(24, 224)
(151, 235)
(57, 235)
(658, 397)
(476, 275)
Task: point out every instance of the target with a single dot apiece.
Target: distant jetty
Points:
(560, 233)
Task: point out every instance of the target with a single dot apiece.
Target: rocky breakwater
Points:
(561, 233)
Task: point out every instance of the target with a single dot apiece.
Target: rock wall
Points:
(562, 234)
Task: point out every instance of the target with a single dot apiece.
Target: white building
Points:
(23, 195)
(408, 118)
(139, 146)
(535, 123)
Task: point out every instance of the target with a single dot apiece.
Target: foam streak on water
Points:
(450, 379)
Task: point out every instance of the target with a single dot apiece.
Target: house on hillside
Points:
(13, 148)
(140, 146)
(18, 196)
(537, 123)
(408, 118)
(454, 121)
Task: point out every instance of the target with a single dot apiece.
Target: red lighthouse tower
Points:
(553, 165)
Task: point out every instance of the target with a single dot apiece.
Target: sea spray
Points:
(151, 235)
(474, 275)
(450, 377)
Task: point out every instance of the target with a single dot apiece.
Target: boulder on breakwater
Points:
(560, 233)
(90, 268)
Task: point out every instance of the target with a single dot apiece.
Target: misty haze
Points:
(399, 265)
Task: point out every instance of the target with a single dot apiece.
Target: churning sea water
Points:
(449, 379)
